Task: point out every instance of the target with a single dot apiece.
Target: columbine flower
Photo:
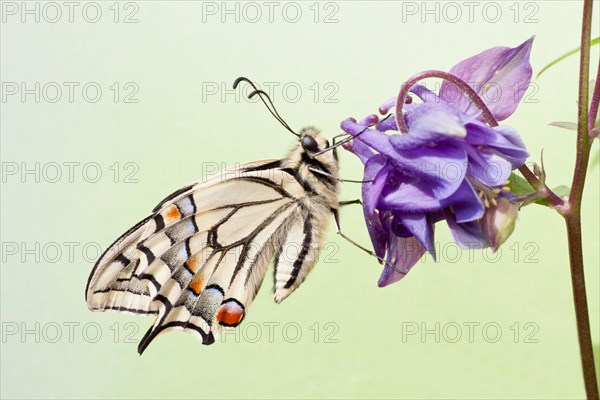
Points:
(442, 159)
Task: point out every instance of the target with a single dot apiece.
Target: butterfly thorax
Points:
(318, 174)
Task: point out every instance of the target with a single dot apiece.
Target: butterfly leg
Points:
(336, 218)
(336, 145)
(349, 202)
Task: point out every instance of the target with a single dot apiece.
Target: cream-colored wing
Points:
(200, 258)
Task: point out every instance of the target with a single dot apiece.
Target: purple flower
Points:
(450, 165)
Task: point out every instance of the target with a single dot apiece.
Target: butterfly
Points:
(198, 260)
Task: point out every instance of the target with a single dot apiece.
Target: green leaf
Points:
(570, 53)
(572, 126)
(519, 185)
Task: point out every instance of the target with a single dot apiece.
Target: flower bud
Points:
(498, 222)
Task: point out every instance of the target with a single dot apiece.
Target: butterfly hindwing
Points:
(296, 256)
(221, 275)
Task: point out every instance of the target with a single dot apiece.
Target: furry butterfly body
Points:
(198, 260)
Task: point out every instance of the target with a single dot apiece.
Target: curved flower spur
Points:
(444, 158)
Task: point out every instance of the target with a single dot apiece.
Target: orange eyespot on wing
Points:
(231, 313)
(193, 263)
(196, 285)
(173, 213)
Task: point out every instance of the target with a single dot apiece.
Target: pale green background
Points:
(171, 132)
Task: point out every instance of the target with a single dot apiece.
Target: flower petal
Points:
(420, 91)
(387, 105)
(442, 168)
(517, 154)
(403, 254)
(377, 233)
(370, 119)
(419, 225)
(377, 171)
(436, 118)
(494, 74)
(412, 194)
(370, 193)
(504, 139)
(350, 126)
(387, 124)
(468, 235)
(425, 94)
(488, 168)
(363, 151)
(466, 204)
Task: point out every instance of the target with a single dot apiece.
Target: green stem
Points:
(572, 213)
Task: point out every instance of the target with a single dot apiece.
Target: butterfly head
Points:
(312, 141)
(314, 149)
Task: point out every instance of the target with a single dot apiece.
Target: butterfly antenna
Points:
(268, 102)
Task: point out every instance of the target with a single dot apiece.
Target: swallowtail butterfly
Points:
(198, 260)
